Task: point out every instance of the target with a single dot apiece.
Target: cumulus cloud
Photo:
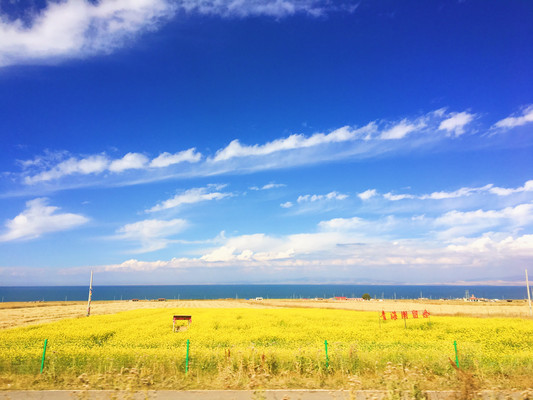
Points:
(462, 223)
(456, 239)
(80, 28)
(39, 218)
(325, 251)
(151, 233)
(287, 204)
(191, 196)
(488, 244)
(516, 120)
(456, 123)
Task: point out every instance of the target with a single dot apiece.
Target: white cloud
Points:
(268, 186)
(311, 198)
(514, 121)
(325, 251)
(521, 214)
(37, 219)
(287, 204)
(355, 242)
(469, 222)
(272, 186)
(271, 8)
(520, 246)
(342, 224)
(80, 28)
(90, 165)
(192, 196)
(98, 163)
(396, 197)
(166, 159)
(400, 130)
(151, 233)
(463, 192)
(76, 28)
(528, 187)
(296, 141)
(456, 123)
(294, 150)
(129, 161)
(367, 194)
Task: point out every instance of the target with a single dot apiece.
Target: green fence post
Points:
(44, 354)
(327, 358)
(456, 356)
(187, 358)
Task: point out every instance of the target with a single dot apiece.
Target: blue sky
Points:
(266, 141)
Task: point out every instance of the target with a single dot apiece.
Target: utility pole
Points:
(90, 295)
(528, 296)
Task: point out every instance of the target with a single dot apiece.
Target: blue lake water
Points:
(61, 293)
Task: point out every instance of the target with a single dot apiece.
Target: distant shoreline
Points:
(285, 291)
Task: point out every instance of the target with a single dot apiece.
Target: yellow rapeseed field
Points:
(236, 348)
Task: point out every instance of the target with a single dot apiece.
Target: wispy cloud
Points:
(80, 28)
(401, 130)
(40, 169)
(461, 192)
(268, 186)
(371, 140)
(527, 187)
(191, 196)
(236, 150)
(166, 159)
(519, 119)
(94, 164)
(39, 218)
(396, 197)
(367, 194)
(312, 198)
(152, 234)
